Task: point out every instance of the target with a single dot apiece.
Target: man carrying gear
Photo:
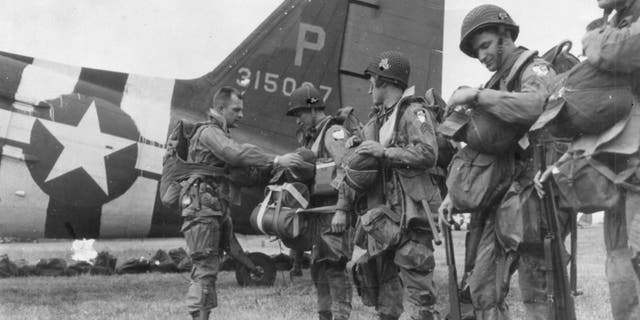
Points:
(331, 232)
(205, 199)
(515, 95)
(399, 136)
(613, 45)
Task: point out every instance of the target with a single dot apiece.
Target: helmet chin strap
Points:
(499, 58)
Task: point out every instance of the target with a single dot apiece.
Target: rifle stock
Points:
(558, 288)
(454, 299)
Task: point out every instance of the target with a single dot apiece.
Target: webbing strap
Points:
(304, 203)
(263, 209)
(517, 66)
(617, 178)
(387, 130)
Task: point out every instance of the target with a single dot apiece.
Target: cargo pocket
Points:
(413, 255)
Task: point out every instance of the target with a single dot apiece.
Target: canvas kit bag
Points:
(476, 180)
(277, 215)
(589, 186)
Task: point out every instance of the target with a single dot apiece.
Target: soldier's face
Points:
(377, 93)
(485, 44)
(232, 113)
(304, 120)
(611, 4)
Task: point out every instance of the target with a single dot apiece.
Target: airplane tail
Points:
(325, 43)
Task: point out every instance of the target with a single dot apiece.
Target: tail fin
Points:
(326, 43)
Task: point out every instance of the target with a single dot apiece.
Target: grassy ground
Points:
(160, 296)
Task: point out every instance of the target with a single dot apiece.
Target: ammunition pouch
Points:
(199, 197)
(383, 225)
(365, 279)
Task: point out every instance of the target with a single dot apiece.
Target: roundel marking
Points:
(85, 151)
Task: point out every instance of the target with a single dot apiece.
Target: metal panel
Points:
(413, 27)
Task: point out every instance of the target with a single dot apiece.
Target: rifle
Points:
(454, 299)
(573, 224)
(558, 291)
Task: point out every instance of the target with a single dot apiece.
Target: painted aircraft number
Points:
(273, 82)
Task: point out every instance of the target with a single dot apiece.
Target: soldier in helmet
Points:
(400, 134)
(614, 45)
(331, 232)
(515, 94)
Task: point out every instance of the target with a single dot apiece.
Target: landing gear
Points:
(252, 269)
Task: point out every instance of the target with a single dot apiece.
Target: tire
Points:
(265, 264)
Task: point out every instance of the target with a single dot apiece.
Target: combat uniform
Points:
(520, 104)
(616, 48)
(404, 183)
(330, 251)
(516, 94)
(205, 204)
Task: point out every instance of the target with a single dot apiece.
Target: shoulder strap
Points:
(317, 145)
(389, 130)
(193, 139)
(522, 60)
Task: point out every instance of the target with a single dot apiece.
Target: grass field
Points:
(160, 296)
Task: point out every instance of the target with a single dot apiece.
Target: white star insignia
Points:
(85, 146)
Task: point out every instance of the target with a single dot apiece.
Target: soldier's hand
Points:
(352, 141)
(339, 222)
(289, 160)
(445, 211)
(464, 95)
(371, 148)
(540, 178)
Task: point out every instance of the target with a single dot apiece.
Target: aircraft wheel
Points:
(266, 268)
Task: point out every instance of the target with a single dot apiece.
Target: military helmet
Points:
(305, 97)
(360, 171)
(480, 17)
(392, 66)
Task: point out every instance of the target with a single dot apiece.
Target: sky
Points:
(167, 38)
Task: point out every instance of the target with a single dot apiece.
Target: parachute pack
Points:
(585, 100)
(175, 167)
(486, 133)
